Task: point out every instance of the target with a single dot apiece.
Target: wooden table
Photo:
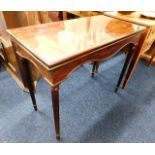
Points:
(57, 49)
(137, 18)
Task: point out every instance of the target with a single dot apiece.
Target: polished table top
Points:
(135, 17)
(56, 42)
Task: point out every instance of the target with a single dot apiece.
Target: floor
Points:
(90, 110)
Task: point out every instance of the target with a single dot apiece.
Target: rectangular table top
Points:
(56, 42)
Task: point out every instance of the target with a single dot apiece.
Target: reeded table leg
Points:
(128, 58)
(55, 101)
(95, 68)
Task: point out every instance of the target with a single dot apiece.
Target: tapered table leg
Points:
(55, 101)
(25, 75)
(30, 84)
(128, 58)
(135, 59)
(131, 68)
(95, 68)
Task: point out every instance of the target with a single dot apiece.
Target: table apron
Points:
(57, 74)
(62, 71)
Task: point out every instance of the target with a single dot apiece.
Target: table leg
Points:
(25, 75)
(29, 82)
(55, 101)
(95, 68)
(128, 59)
(131, 68)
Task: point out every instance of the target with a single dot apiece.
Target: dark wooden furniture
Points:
(57, 49)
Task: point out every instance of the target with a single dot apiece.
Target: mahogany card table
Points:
(57, 49)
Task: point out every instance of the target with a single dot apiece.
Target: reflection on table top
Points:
(135, 17)
(55, 42)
